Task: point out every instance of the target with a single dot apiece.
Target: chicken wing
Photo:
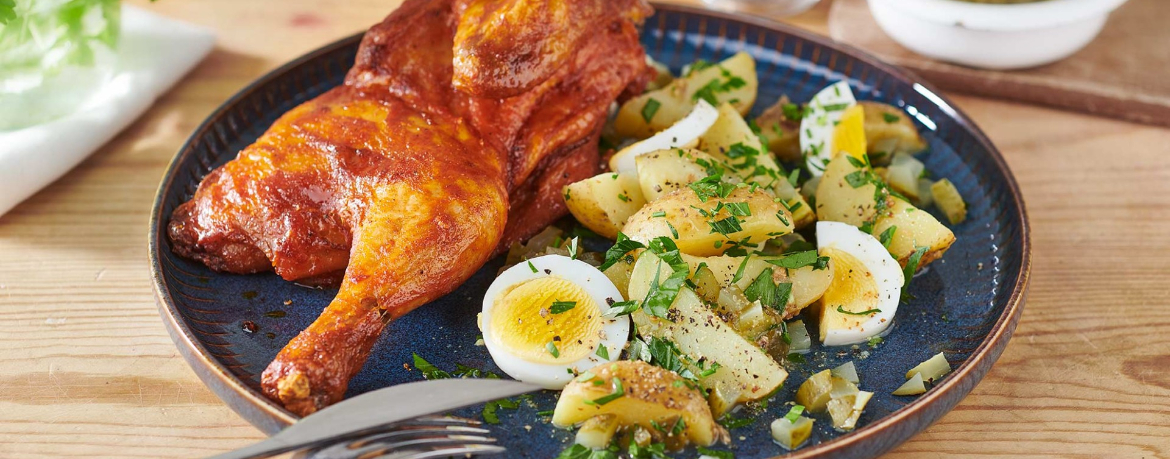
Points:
(403, 182)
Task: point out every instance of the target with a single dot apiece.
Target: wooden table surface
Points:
(86, 368)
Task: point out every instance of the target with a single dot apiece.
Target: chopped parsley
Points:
(715, 453)
(725, 226)
(603, 352)
(428, 370)
(620, 249)
(912, 265)
(767, 292)
(732, 422)
(841, 309)
(797, 260)
(650, 109)
(663, 292)
(658, 214)
(552, 349)
(739, 209)
(711, 186)
(673, 232)
(621, 308)
(890, 118)
(559, 307)
(739, 271)
(618, 392)
(623, 197)
(887, 236)
(794, 413)
(532, 266)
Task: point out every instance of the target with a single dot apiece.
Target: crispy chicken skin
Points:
(443, 145)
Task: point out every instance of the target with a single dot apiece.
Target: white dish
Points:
(994, 36)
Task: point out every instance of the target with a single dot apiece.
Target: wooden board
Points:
(1121, 74)
(87, 370)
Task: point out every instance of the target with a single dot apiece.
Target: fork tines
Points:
(421, 438)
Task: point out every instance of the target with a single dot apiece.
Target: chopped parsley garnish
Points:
(583, 452)
(794, 112)
(794, 413)
(663, 292)
(858, 179)
(621, 247)
(532, 267)
(428, 370)
(841, 309)
(796, 358)
(715, 453)
(739, 209)
(711, 186)
(650, 109)
(552, 349)
(559, 307)
(664, 353)
(621, 308)
(732, 422)
(768, 293)
(912, 265)
(835, 107)
(887, 236)
(726, 226)
(658, 214)
(697, 66)
(618, 392)
(623, 197)
(603, 352)
(573, 248)
(874, 341)
(739, 271)
(673, 232)
(797, 260)
(890, 117)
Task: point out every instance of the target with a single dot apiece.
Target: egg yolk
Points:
(524, 323)
(853, 289)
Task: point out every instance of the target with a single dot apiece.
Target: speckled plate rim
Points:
(926, 409)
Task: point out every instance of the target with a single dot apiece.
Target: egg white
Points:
(886, 272)
(816, 128)
(614, 331)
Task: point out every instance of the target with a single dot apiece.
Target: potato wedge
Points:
(808, 283)
(838, 200)
(779, 131)
(916, 228)
(677, 216)
(732, 80)
(889, 131)
(649, 395)
(744, 368)
(603, 203)
(732, 140)
(664, 171)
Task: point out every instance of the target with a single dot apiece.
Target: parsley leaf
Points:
(887, 236)
(532, 266)
(739, 209)
(621, 308)
(621, 247)
(559, 307)
(797, 260)
(841, 309)
(768, 293)
(890, 117)
(428, 370)
(603, 351)
(912, 265)
(715, 453)
(551, 347)
(650, 109)
(726, 226)
(618, 392)
(794, 413)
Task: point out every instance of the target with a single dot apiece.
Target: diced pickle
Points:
(791, 435)
(842, 388)
(798, 334)
(707, 285)
(846, 411)
(914, 386)
(903, 174)
(947, 198)
(731, 299)
(814, 392)
(932, 369)
(597, 432)
(847, 371)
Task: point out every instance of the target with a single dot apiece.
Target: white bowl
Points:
(994, 36)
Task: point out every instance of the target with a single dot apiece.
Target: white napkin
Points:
(154, 53)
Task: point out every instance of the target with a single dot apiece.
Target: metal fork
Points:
(393, 423)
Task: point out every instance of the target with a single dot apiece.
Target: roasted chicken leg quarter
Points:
(450, 138)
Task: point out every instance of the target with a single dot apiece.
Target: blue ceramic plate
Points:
(966, 305)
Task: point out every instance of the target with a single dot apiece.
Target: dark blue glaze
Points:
(957, 303)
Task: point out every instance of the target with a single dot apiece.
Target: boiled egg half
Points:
(834, 123)
(867, 285)
(543, 320)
